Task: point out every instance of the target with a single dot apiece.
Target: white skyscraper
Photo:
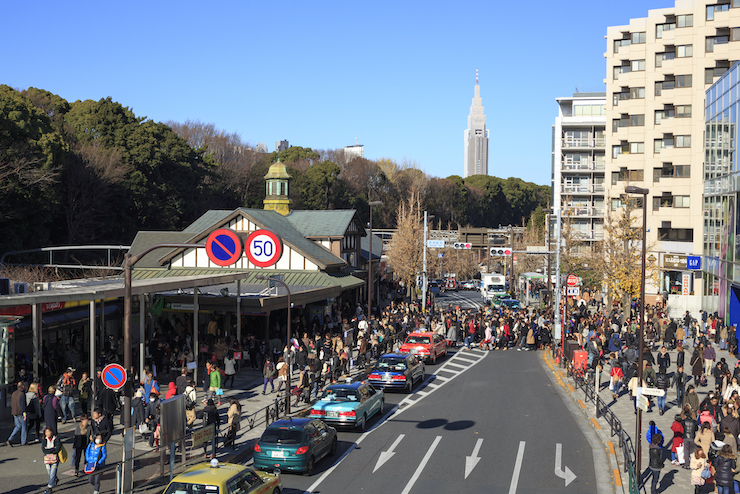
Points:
(476, 137)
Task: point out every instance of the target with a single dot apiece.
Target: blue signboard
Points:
(693, 262)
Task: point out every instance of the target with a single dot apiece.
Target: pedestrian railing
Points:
(603, 410)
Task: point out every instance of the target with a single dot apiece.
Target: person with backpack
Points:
(95, 456)
(33, 410)
(81, 440)
(190, 402)
(85, 389)
(66, 384)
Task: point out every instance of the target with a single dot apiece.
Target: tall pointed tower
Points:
(476, 137)
(277, 193)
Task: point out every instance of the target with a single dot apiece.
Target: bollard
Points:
(119, 481)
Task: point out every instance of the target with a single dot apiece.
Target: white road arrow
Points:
(387, 455)
(472, 460)
(567, 474)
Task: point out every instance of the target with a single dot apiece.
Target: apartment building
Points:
(658, 69)
(578, 164)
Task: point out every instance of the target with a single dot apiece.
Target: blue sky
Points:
(398, 76)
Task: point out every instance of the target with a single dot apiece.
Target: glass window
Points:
(637, 120)
(683, 141)
(735, 34)
(657, 145)
(683, 111)
(657, 172)
(658, 60)
(681, 201)
(616, 150)
(617, 70)
(637, 65)
(658, 116)
(638, 38)
(615, 178)
(684, 51)
(683, 80)
(637, 93)
(637, 147)
(709, 45)
(658, 88)
(685, 20)
(708, 75)
(615, 125)
(656, 203)
(682, 171)
(188, 488)
(636, 175)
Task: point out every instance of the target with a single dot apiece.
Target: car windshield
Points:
(185, 488)
(339, 394)
(392, 364)
(418, 339)
(281, 436)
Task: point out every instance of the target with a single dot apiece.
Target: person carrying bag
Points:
(95, 456)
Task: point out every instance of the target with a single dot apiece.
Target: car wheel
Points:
(409, 386)
(434, 358)
(333, 450)
(276, 491)
(363, 423)
(382, 406)
(309, 467)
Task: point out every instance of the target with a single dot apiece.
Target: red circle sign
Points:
(224, 247)
(113, 376)
(572, 280)
(263, 248)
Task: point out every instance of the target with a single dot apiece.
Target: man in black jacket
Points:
(662, 382)
(101, 425)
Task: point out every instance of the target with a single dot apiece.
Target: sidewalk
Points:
(22, 468)
(672, 477)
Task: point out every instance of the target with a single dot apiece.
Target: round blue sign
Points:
(224, 247)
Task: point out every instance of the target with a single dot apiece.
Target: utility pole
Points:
(424, 269)
(558, 281)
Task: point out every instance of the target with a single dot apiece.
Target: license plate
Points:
(387, 378)
(414, 350)
(332, 414)
(278, 454)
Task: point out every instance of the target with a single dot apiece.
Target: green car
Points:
(498, 298)
(295, 445)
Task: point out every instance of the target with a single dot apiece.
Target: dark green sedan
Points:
(295, 445)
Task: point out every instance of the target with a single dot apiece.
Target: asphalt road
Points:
(499, 407)
(466, 299)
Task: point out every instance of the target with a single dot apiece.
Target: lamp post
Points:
(290, 336)
(370, 261)
(631, 189)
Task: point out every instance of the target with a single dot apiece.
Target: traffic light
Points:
(462, 245)
(500, 251)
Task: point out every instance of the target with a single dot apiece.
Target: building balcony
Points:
(583, 143)
(587, 235)
(583, 211)
(582, 188)
(582, 166)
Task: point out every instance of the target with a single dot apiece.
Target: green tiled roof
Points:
(207, 219)
(147, 239)
(329, 223)
(297, 278)
(288, 232)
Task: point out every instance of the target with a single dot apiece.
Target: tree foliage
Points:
(95, 172)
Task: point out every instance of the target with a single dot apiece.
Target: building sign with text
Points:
(674, 261)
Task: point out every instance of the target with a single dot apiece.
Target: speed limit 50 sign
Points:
(263, 248)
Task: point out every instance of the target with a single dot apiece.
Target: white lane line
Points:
(391, 415)
(517, 468)
(421, 466)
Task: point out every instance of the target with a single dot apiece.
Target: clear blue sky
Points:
(396, 75)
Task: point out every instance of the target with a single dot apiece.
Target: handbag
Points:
(219, 392)
(63, 456)
(50, 459)
(680, 455)
(706, 473)
(143, 428)
(90, 466)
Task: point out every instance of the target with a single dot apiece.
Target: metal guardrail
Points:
(603, 410)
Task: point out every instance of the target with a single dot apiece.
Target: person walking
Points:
(215, 383)
(662, 382)
(51, 409)
(656, 462)
(697, 465)
(710, 356)
(85, 389)
(66, 384)
(95, 454)
(182, 381)
(33, 410)
(282, 370)
(50, 446)
(82, 438)
(210, 416)
(20, 419)
(268, 374)
(190, 401)
(696, 366)
(101, 425)
(229, 368)
(679, 381)
(724, 464)
(704, 437)
(235, 416)
(137, 408)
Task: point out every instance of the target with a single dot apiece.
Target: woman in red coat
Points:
(677, 428)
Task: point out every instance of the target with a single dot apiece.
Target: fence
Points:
(603, 410)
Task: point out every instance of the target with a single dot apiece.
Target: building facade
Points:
(658, 69)
(354, 151)
(578, 162)
(476, 137)
(721, 261)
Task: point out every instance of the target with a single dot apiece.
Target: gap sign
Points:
(693, 262)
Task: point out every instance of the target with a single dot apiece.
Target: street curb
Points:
(606, 482)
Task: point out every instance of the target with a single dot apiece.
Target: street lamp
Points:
(287, 354)
(631, 189)
(370, 260)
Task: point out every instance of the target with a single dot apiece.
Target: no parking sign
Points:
(224, 247)
(113, 376)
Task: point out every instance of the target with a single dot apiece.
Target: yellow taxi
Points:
(224, 478)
